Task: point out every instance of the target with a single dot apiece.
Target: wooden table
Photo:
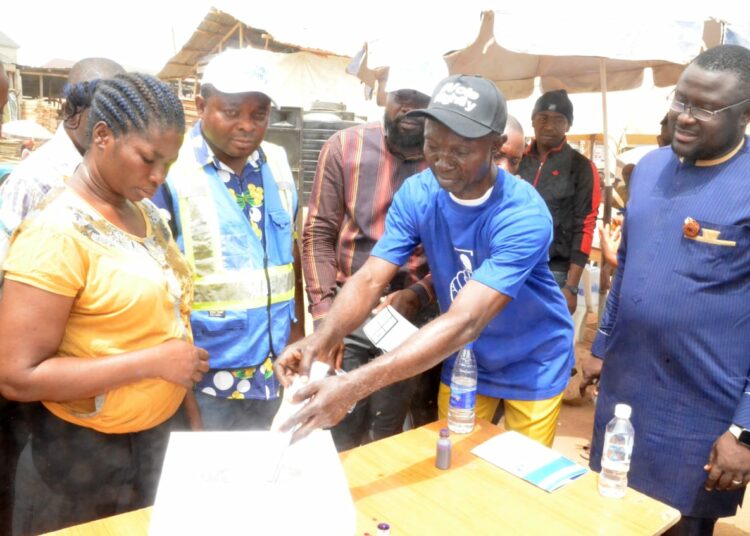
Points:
(395, 481)
(132, 523)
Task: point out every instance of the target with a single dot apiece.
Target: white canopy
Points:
(512, 49)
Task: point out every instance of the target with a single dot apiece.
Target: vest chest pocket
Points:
(280, 218)
(281, 228)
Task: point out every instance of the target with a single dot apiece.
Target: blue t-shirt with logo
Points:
(526, 351)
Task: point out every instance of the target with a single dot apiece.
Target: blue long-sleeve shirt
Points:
(675, 336)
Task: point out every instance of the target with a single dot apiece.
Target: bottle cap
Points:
(444, 432)
(623, 411)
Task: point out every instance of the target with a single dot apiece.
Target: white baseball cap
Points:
(419, 74)
(238, 71)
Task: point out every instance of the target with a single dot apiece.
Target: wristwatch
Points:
(570, 288)
(742, 435)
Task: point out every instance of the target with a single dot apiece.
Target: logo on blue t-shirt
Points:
(462, 276)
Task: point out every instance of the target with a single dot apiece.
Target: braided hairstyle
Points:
(135, 102)
(77, 99)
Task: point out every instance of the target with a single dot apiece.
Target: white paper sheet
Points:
(388, 329)
(219, 483)
(527, 459)
(318, 371)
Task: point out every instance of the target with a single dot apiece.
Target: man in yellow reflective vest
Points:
(233, 201)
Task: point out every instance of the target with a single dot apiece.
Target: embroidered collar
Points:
(721, 159)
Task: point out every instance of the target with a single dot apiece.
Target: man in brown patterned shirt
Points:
(359, 171)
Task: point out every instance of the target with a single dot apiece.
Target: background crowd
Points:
(154, 278)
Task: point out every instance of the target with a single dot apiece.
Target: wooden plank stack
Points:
(10, 150)
(41, 111)
(191, 114)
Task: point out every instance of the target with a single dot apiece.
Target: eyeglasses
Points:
(701, 114)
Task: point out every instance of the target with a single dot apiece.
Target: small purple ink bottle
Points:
(443, 455)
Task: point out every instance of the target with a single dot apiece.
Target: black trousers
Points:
(381, 414)
(69, 474)
(14, 433)
(423, 408)
(692, 526)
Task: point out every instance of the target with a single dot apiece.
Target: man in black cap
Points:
(569, 184)
(486, 236)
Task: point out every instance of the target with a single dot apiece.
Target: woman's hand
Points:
(181, 362)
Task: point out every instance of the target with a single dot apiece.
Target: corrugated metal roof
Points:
(220, 28)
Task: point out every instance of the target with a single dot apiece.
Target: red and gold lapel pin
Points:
(691, 228)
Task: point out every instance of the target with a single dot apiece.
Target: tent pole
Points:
(605, 133)
(603, 283)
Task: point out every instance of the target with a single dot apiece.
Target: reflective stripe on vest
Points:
(217, 287)
(243, 289)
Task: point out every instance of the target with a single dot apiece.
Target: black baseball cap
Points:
(471, 106)
(555, 101)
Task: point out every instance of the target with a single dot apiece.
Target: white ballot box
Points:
(227, 482)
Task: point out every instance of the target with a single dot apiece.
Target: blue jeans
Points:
(560, 278)
(227, 414)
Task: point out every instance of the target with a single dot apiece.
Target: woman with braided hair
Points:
(94, 321)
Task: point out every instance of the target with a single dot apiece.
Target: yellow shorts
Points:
(536, 419)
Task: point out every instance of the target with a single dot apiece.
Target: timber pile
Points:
(42, 112)
(10, 150)
(191, 114)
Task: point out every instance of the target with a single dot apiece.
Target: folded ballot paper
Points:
(388, 329)
(252, 483)
(529, 460)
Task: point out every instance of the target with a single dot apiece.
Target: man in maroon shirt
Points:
(359, 171)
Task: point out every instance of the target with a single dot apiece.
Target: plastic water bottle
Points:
(463, 399)
(618, 446)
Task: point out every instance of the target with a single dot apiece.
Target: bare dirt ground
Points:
(574, 433)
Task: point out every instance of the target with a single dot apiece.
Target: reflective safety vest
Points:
(244, 294)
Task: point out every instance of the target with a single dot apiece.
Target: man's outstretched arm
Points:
(329, 399)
